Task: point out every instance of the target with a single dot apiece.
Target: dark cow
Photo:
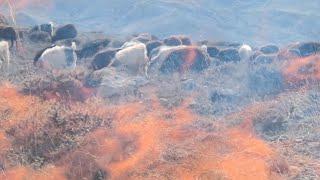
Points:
(152, 45)
(8, 34)
(39, 36)
(172, 41)
(213, 51)
(229, 55)
(48, 28)
(186, 40)
(68, 31)
(309, 48)
(103, 59)
(179, 59)
(184, 59)
(91, 48)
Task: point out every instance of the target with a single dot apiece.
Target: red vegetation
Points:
(143, 141)
(303, 70)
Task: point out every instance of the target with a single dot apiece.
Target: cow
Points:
(4, 54)
(68, 31)
(9, 34)
(57, 57)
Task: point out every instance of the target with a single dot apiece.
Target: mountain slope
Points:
(252, 21)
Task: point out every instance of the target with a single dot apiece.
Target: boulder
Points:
(113, 83)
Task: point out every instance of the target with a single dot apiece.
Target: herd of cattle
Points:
(142, 53)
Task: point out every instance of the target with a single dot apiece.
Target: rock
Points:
(213, 51)
(68, 31)
(103, 59)
(117, 84)
(269, 49)
(89, 49)
(229, 55)
(172, 41)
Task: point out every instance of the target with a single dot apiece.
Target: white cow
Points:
(245, 52)
(4, 54)
(132, 58)
(57, 57)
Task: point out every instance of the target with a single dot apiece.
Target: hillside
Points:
(252, 21)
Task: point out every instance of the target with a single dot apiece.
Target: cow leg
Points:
(7, 58)
(12, 42)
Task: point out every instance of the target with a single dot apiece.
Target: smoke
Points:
(22, 4)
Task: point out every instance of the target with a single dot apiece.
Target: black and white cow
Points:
(57, 57)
